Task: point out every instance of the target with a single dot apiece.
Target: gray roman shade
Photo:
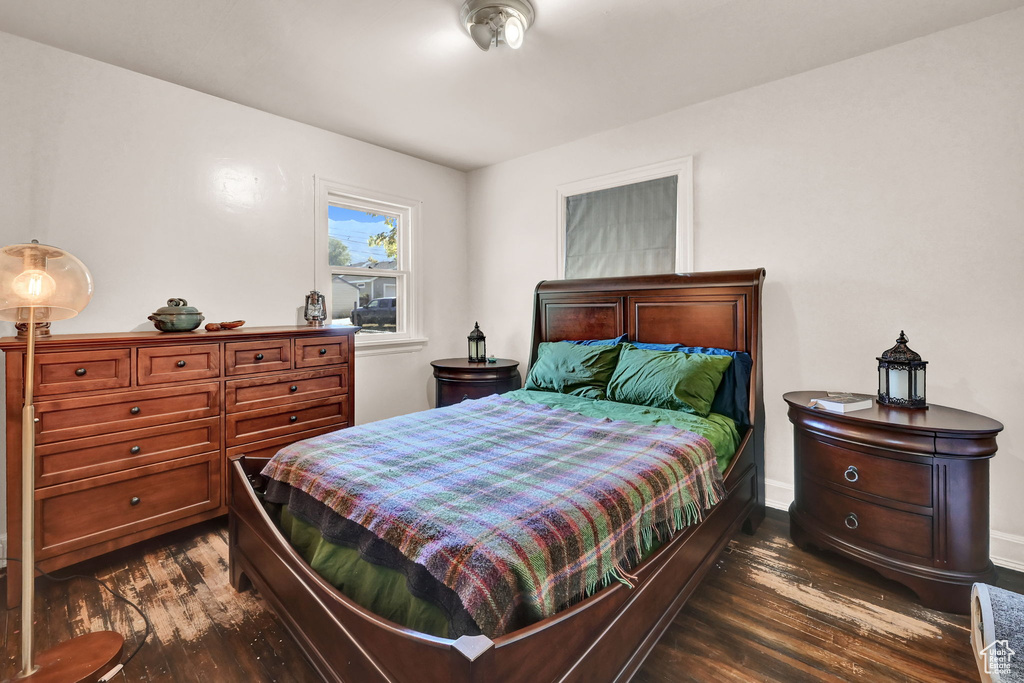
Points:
(627, 230)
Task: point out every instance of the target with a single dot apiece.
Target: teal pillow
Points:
(573, 369)
(667, 379)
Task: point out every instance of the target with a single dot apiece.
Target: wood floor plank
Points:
(767, 611)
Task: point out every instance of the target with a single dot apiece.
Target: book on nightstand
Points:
(842, 402)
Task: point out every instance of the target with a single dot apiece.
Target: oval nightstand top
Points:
(934, 418)
(464, 364)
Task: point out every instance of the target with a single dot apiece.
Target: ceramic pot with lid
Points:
(176, 316)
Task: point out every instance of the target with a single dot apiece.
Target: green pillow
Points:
(667, 379)
(573, 369)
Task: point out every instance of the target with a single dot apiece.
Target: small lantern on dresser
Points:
(901, 376)
(315, 310)
(477, 345)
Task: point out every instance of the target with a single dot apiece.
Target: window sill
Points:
(379, 347)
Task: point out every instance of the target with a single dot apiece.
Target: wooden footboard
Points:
(605, 637)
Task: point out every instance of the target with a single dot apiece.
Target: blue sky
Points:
(353, 228)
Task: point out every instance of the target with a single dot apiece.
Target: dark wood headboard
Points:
(720, 309)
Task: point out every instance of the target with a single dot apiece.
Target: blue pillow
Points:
(598, 342)
(733, 396)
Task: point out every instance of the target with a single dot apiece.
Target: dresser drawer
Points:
(268, 448)
(267, 423)
(93, 510)
(158, 365)
(73, 418)
(859, 522)
(245, 358)
(310, 353)
(64, 373)
(264, 392)
(95, 455)
(907, 482)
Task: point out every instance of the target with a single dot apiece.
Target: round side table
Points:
(901, 490)
(458, 379)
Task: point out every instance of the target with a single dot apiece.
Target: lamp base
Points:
(80, 660)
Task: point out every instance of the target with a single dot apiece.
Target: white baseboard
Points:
(777, 494)
(1007, 550)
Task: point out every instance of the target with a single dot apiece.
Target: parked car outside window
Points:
(379, 312)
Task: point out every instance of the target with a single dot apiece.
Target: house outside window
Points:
(364, 264)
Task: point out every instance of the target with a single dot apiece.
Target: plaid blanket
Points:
(519, 509)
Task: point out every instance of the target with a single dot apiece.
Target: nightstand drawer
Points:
(267, 423)
(95, 455)
(73, 418)
(92, 510)
(859, 522)
(898, 480)
(158, 365)
(74, 371)
(246, 358)
(264, 392)
(311, 353)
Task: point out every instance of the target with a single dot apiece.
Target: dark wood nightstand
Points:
(458, 379)
(903, 491)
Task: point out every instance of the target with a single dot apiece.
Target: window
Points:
(364, 263)
(638, 222)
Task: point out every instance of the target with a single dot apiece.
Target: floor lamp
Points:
(39, 283)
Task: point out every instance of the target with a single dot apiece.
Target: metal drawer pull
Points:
(851, 521)
(323, 352)
(181, 363)
(135, 450)
(135, 500)
(293, 388)
(851, 474)
(259, 356)
(293, 418)
(134, 410)
(80, 372)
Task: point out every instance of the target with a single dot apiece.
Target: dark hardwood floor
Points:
(766, 612)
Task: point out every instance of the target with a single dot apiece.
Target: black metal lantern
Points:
(901, 376)
(477, 345)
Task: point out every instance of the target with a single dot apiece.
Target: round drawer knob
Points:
(293, 418)
(135, 450)
(851, 521)
(181, 364)
(135, 410)
(323, 352)
(851, 474)
(293, 388)
(80, 372)
(259, 356)
(135, 500)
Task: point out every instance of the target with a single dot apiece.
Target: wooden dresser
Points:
(904, 491)
(133, 429)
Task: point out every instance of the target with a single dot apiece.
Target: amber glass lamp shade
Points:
(51, 282)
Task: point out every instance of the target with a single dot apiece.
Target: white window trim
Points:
(331, 191)
(681, 168)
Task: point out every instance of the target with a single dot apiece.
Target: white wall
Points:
(166, 192)
(882, 193)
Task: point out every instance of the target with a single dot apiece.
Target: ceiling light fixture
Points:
(490, 22)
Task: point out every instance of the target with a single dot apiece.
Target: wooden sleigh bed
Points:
(602, 638)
